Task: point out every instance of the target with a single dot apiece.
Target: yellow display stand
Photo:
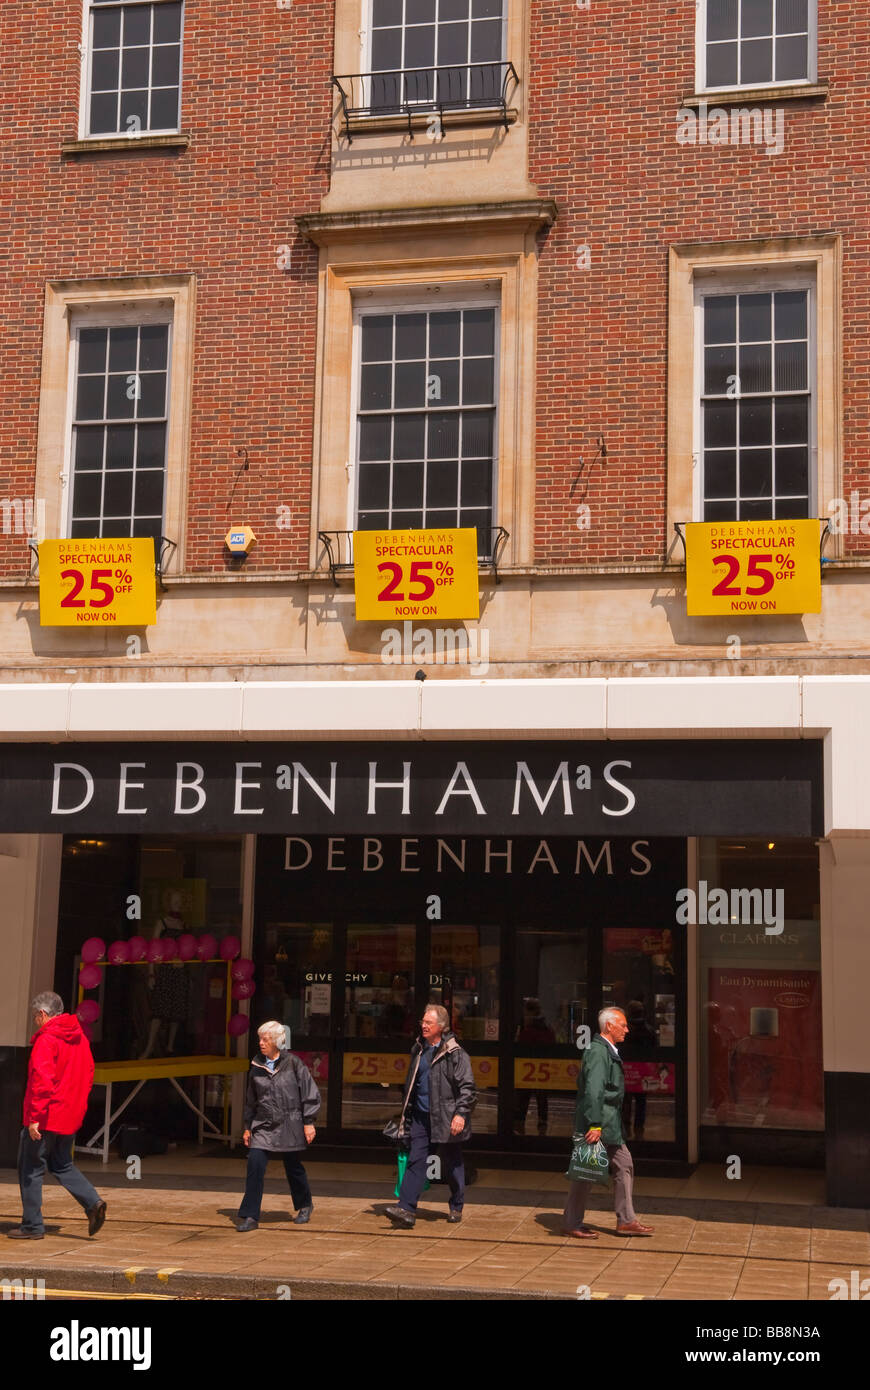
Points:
(165, 1069)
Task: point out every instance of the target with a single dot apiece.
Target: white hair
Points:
(276, 1031)
(607, 1015)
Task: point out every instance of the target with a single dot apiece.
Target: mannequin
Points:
(169, 983)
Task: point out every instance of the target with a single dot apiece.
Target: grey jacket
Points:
(278, 1104)
(451, 1089)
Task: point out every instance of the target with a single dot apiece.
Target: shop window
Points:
(757, 416)
(119, 430)
(464, 977)
(551, 1005)
(177, 886)
(426, 421)
(134, 67)
(756, 43)
(640, 977)
(760, 985)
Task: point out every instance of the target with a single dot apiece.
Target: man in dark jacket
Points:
(600, 1093)
(436, 1114)
(59, 1080)
(281, 1106)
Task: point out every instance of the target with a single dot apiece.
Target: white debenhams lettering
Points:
(405, 784)
(328, 798)
(124, 786)
(524, 775)
(76, 1343)
(241, 786)
(461, 770)
(296, 840)
(195, 786)
(620, 787)
(56, 808)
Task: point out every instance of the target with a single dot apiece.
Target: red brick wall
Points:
(256, 100)
(605, 85)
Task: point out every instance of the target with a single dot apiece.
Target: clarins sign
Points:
(558, 787)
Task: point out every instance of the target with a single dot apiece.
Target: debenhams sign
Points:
(664, 788)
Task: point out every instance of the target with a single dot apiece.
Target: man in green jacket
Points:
(600, 1091)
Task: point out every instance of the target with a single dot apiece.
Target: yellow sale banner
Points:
(545, 1073)
(416, 574)
(388, 1068)
(391, 1068)
(737, 567)
(485, 1072)
(97, 583)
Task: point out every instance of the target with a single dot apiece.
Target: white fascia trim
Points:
(641, 707)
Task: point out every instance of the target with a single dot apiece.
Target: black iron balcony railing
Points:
(406, 92)
(338, 548)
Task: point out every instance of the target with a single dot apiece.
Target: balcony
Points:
(337, 554)
(476, 93)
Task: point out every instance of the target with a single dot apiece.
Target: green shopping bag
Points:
(402, 1164)
(588, 1161)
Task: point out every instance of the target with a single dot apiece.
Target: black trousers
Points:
(256, 1176)
(452, 1166)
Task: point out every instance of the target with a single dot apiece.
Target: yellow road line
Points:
(94, 1294)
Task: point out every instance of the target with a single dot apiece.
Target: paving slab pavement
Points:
(172, 1231)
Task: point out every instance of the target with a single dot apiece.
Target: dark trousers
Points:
(452, 1166)
(622, 1172)
(54, 1152)
(256, 1176)
(543, 1103)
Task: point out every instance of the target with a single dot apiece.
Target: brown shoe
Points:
(635, 1228)
(583, 1233)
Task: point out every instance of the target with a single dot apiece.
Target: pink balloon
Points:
(243, 969)
(238, 1024)
(187, 946)
(243, 989)
(154, 951)
(230, 947)
(137, 946)
(93, 949)
(170, 947)
(207, 948)
(119, 952)
(88, 1011)
(90, 976)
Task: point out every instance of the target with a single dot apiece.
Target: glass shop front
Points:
(522, 940)
(381, 881)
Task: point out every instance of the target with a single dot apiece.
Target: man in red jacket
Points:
(59, 1080)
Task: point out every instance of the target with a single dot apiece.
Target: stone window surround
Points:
(353, 48)
(380, 265)
(113, 301)
(820, 255)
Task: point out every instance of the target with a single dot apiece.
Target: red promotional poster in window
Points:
(764, 1045)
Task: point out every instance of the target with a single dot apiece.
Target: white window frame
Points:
(105, 316)
(459, 296)
(757, 281)
(367, 32)
(85, 86)
(701, 56)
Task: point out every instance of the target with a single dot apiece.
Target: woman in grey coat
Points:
(281, 1105)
